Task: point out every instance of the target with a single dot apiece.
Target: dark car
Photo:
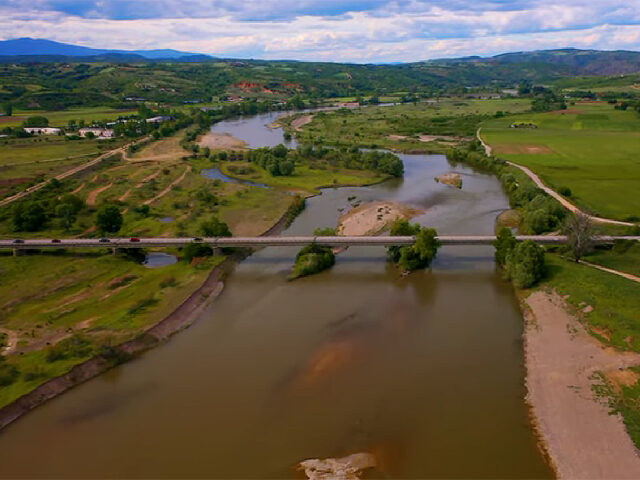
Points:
(17, 240)
(134, 239)
(197, 239)
(104, 240)
(55, 240)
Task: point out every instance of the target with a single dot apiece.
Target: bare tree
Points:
(579, 231)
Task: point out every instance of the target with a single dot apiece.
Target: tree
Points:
(8, 109)
(28, 217)
(196, 250)
(422, 252)
(579, 231)
(312, 259)
(505, 243)
(74, 201)
(525, 264)
(67, 215)
(400, 228)
(418, 255)
(37, 121)
(215, 228)
(109, 219)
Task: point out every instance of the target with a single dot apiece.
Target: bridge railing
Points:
(282, 241)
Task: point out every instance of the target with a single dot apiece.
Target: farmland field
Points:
(590, 148)
(60, 118)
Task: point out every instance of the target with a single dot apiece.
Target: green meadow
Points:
(60, 118)
(591, 148)
(400, 127)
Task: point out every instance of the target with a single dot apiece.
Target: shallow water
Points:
(425, 372)
(159, 259)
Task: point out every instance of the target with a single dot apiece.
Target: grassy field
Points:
(625, 260)
(29, 160)
(615, 300)
(382, 126)
(60, 118)
(58, 299)
(306, 180)
(590, 148)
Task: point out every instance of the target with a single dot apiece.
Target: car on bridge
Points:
(104, 240)
(18, 240)
(134, 239)
(55, 240)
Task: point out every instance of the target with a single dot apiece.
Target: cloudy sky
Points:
(332, 30)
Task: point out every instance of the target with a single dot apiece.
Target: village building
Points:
(159, 119)
(97, 132)
(43, 130)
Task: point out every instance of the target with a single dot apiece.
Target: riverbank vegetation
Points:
(416, 256)
(312, 259)
(433, 126)
(307, 168)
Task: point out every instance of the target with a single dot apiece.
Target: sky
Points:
(329, 30)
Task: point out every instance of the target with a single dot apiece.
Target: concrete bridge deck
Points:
(282, 241)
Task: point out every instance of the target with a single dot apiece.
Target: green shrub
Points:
(312, 259)
(525, 264)
(72, 347)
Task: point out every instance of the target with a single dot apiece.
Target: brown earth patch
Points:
(373, 218)
(222, 141)
(569, 111)
(92, 198)
(515, 148)
(622, 378)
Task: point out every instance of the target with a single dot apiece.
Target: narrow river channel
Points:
(425, 372)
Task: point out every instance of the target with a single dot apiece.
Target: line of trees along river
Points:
(425, 371)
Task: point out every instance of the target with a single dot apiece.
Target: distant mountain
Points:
(32, 47)
(569, 60)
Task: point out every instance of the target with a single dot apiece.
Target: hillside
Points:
(568, 61)
(40, 48)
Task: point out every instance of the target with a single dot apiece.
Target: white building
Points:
(159, 119)
(97, 132)
(43, 130)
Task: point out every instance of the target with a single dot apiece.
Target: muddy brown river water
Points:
(424, 372)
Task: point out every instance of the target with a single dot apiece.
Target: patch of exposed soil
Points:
(93, 196)
(583, 438)
(350, 467)
(373, 218)
(222, 141)
(452, 179)
(515, 148)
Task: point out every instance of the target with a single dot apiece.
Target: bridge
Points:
(281, 241)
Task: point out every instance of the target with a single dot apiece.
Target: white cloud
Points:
(402, 30)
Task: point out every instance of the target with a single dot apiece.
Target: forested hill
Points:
(568, 61)
(53, 82)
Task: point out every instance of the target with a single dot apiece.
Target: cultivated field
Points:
(590, 148)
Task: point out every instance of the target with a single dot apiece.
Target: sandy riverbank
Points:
(576, 428)
(373, 218)
(221, 141)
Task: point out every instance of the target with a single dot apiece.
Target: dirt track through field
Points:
(169, 187)
(93, 196)
(626, 275)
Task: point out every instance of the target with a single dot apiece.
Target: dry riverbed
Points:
(581, 435)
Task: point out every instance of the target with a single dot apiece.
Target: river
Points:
(426, 372)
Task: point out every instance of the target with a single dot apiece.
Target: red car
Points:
(134, 239)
